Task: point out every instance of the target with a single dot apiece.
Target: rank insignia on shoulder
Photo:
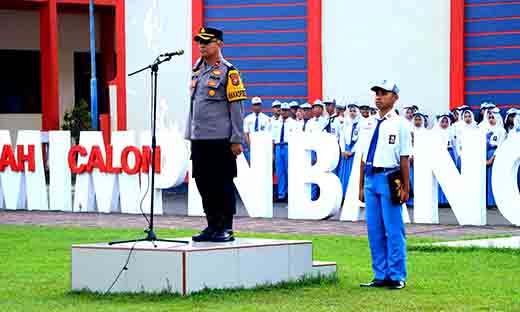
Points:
(235, 89)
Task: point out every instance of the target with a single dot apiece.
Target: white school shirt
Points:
(263, 123)
(498, 136)
(289, 128)
(347, 134)
(317, 124)
(393, 141)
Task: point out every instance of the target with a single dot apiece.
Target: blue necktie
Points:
(282, 132)
(256, 123)
(354, 126)
(372, 149)
(305, 124)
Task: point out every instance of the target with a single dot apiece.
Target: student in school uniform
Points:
(443, 126)
(275, 106)
(340, 110)
(467, 123)
(418, 124)
(281, 130)
(364, 110)
(318, 122)
(305, 124)
(511, 123)
(255, 122)
(386, 155)
(485, 107)
(294, 108)
(495, 136)
(408, 114)
(348, 145)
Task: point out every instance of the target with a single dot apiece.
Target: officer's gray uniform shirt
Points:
(216, 103)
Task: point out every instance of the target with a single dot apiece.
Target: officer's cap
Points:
(276, 103)
(306, 106)
(294, 104)
(256, 101)
(207, 34)
(317, 103)
(386, 85)
(285, 106)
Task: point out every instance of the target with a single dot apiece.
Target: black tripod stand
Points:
(150, 234)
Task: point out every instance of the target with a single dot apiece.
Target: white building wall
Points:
(20, 30)
(370, 40)
(152, 28)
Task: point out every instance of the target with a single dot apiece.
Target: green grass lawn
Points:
(35, 276)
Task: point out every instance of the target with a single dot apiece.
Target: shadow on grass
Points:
(305, 282)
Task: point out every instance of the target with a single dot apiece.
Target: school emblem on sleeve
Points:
(391, 139)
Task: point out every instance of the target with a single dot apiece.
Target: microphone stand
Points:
(150, 234)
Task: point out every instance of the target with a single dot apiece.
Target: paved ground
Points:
(175, 211)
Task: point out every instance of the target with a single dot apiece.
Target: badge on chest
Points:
(391, 139)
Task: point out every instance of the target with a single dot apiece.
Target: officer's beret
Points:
(207, 34)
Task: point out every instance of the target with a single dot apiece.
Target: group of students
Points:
(345, 122)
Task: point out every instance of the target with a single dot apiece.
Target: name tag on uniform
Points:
(391, 139)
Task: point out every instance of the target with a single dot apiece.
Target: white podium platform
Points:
(184, 269)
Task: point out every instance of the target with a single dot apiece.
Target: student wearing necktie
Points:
(254, 122)
(386, 154)
(280, 131)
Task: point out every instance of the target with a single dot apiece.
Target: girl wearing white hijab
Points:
(444, 127)
(418, 124)
(512, 122)
(496, 134)
(348, 145)
(468, 123)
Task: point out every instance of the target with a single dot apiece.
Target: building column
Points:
(121, 64)
(457, 54)
(49, 65)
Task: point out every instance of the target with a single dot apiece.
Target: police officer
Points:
(255, 122)
(387, 153)
(280, 132)
(215, 128)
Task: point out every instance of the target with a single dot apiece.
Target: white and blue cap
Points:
(512, 110)
(256, 101)
(386, 85)
(294, 104)
(353, 105)
(285, 106)
(329, 102)
(276, 103)
(341, 106)
(306, 106)
(317, 103)
(487, 105)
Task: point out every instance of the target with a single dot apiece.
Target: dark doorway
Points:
(20, 82)
(82, 80)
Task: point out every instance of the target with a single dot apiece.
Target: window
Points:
(20, 82)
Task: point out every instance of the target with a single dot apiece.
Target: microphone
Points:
(170, 54)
